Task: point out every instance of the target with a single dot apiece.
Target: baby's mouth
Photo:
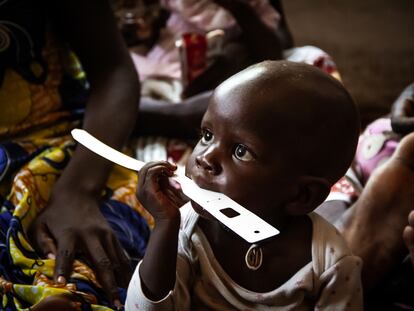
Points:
(201, 211)
(202, 182)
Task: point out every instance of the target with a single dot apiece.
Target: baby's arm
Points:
(341, 286)
(158, 267)
(161, 280)
(178, 299)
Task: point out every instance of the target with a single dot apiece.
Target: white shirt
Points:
(331, 281)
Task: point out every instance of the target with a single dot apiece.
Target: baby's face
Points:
(237, 157)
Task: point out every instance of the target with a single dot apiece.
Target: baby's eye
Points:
(243, 154)
(206, 136)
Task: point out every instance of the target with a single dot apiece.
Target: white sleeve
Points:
(136, 299)
(341, 286)
(177, 299)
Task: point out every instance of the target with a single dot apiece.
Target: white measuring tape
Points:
(231, 214)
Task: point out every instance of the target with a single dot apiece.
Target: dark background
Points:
(371, 41)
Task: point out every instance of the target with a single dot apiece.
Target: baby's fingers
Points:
(154, 170)
(176, 195)
(152, 180)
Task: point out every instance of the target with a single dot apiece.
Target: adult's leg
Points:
(373, 226)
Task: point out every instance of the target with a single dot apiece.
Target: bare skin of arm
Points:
(182, 121)
(402, 112)
(91, 32)
(269, 44)
(283, 33)
(60, 303)
(172, 120)
(257, 42)
(158, 267)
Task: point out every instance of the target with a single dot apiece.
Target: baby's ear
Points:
(311, 192)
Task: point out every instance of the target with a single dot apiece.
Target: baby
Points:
(275, 138)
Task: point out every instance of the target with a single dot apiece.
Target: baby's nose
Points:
(208, 162)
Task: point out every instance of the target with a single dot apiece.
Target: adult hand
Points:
(156, 193)
(402, 112)
(216, 73)
(402, 115)
(59, 302)
(72, 224)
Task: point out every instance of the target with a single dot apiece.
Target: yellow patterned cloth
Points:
(26, 279)
(26, 104)
(42, 94)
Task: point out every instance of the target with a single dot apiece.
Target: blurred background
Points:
(372, 42)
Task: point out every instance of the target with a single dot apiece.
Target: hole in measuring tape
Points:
(256, 231)
(229, 212)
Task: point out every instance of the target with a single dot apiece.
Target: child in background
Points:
(275, 143)
(254, 31)
(196, 17)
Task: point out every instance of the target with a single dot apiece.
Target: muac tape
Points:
(231, 214)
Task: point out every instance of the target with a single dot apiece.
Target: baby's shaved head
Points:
(315, 114)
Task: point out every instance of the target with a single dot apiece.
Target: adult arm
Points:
(283, 31)
(183, 120)
(402, 112)
(72, 220)
(262, 41)
(259, 42)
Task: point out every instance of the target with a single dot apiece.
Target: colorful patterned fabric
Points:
(376, 145)
(40, 79)
(42, 93)
(29, 169)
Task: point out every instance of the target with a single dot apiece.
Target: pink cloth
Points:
(376, 146)
(191, 16)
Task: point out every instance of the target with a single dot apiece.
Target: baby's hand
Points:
(156, 193)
